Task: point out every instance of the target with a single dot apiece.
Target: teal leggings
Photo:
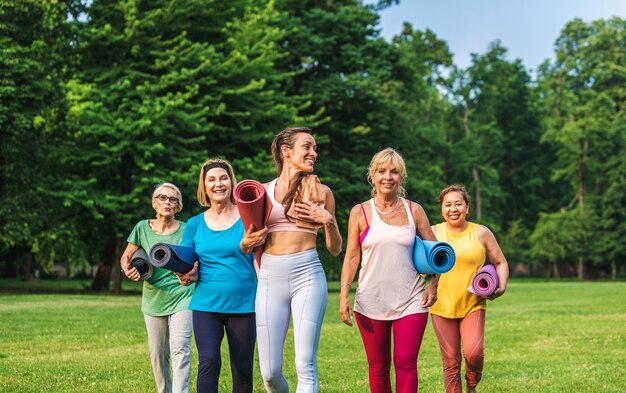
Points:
(290, 285)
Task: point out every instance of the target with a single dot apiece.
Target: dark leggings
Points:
(209, 330)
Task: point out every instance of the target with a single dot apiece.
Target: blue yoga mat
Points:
(431, 257)
(141, 262)
(171, 257)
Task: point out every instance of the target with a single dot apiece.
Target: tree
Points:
(33, 38)
(583, 94)
(419, 122)
(160, 94)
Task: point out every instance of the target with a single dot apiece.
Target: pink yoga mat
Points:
(485, 282)
(254, 207)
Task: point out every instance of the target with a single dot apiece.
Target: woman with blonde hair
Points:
(392, 298)
(223, 301)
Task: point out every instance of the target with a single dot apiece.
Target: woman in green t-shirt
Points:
(165, 302)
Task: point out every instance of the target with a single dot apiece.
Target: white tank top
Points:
(389, 286)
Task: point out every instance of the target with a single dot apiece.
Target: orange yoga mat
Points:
(254, 207)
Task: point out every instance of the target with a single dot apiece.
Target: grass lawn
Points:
(540, 337)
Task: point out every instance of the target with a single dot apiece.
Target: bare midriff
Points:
(285, 243)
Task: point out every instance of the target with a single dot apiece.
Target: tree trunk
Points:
(613, 270)
(475, 171)
(581, 201)
(555, 271)
(28, 265)
(107, 261)
(479, 208)
(580, 269)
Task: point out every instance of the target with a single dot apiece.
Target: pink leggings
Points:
(407, 339)
(471, 332)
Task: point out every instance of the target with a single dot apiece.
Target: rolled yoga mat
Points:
(171, 257)
(431, 257)
(254, 207)
(141, 262)
(485, 282)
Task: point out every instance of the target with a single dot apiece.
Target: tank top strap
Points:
(409, 212)
(271, 187)
(367, 226)
(375, 216)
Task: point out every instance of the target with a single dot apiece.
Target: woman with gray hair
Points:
(165, 302)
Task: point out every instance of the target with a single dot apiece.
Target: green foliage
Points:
(103, 99)
(494, 140)
(160, 95)
(583, 95)
(33, 39)
(564, 236)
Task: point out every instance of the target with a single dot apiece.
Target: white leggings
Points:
(290, 284)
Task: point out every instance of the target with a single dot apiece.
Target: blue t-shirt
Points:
(226, 277)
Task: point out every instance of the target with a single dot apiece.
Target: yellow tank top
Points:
(453, 298)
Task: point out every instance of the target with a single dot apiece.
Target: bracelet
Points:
(346, 283)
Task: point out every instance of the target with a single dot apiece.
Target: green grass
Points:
(540, 337)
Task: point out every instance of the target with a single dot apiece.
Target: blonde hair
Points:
(384, 158)
(163, 185)
(203, 198)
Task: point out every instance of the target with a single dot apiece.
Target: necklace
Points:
(385, 213)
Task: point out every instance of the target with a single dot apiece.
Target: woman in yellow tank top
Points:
(458, 316)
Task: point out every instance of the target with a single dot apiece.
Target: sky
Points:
(527, 28)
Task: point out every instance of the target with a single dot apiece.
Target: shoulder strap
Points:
(364, 215)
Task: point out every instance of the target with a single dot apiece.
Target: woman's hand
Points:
(189, 277)
(345, 310)
(311, 212)
(252, 239)
(497, 293)
(430, 295)
(132, 273)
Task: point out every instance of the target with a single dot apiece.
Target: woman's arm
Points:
(426, 232)
(326, 216)
(350, 263)
(421, 222)
(496, 257)
(252, 239)
(127, 268)
(331, 229)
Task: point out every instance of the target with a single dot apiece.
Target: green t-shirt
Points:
(163, 294)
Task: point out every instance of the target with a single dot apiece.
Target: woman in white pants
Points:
(164, 302)
(291, 278)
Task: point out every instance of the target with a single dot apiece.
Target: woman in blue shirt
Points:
(225, 290)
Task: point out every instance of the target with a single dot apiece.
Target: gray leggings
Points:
(290, 284)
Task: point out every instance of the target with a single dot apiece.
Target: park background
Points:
(102, 99)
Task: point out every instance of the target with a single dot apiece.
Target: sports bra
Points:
(277, 222)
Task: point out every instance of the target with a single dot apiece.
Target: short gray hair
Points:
(163, 185)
